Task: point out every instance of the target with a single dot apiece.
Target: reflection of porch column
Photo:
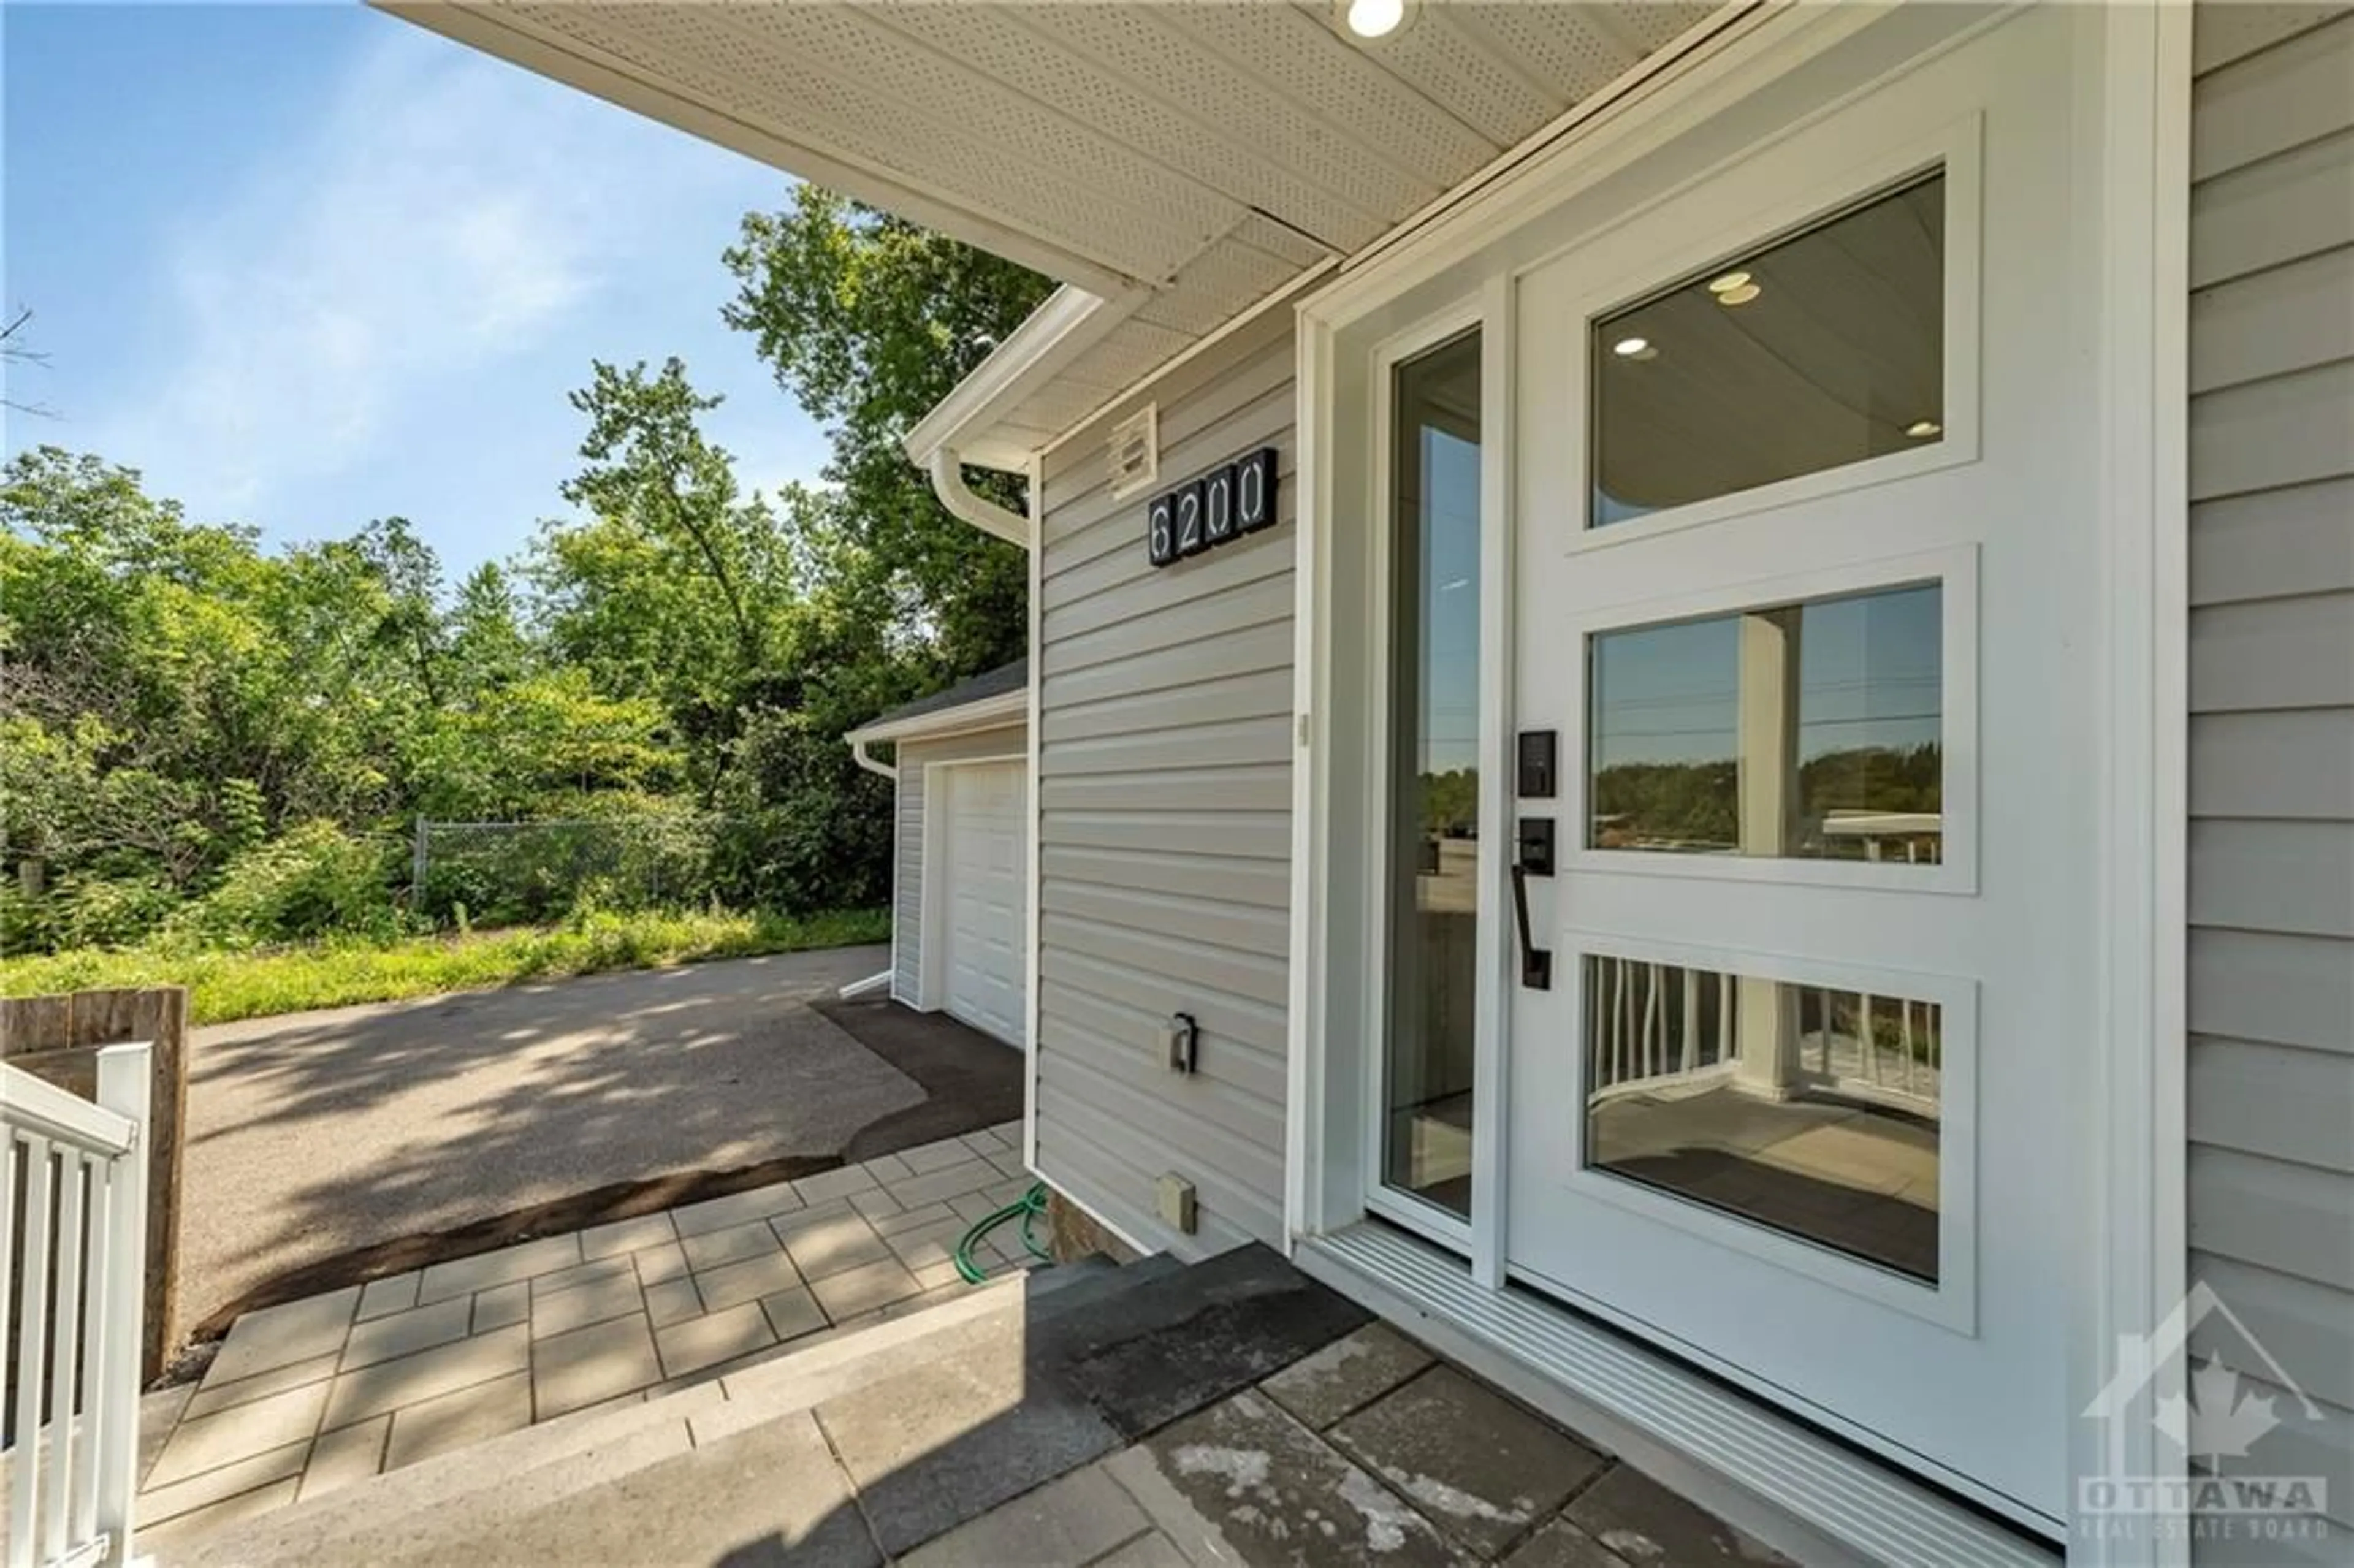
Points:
(1769, 814)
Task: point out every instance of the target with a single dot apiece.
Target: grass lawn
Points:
(226, 985)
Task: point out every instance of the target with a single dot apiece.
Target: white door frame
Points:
(2133, 1235)
(931, 976)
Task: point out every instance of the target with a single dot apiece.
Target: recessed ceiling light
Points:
(1373, 18)
(1632, 347)
(1730, 280)
(1922, 429)
(1739, 294)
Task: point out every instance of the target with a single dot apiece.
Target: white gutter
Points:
(958, 430)
(966, 506)
(982, 712)
(858, 754)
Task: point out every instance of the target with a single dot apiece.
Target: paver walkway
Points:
(320, 1393)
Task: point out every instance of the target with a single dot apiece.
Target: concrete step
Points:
(473, 1495)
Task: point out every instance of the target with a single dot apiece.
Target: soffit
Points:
(1206, 154)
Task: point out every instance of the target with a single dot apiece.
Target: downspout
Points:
(967, 506)
(858, 754)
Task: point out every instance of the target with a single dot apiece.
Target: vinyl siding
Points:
(2272, 725)
(1164, 832)
(907, 865)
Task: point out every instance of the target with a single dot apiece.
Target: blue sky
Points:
(306, 265)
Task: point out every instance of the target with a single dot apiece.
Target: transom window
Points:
(1818, 351)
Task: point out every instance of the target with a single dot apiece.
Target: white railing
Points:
(1652, 1025)
(73, 1226)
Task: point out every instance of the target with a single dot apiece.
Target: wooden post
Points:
(59, 1038)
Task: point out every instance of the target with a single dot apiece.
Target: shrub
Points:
(315, 880)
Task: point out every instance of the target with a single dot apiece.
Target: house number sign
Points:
(1221, 506)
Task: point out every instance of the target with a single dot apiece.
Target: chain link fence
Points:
(503, 873)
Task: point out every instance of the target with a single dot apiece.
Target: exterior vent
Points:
(1134, 455)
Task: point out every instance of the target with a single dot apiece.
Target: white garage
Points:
(961, 914)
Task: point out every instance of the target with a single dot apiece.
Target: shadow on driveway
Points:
(349, 1142)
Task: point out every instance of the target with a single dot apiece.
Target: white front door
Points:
(1802, 455)
(984, 865)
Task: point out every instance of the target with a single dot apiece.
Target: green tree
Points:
(868, 321)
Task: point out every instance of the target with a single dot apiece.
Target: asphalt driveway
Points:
(318, 1133)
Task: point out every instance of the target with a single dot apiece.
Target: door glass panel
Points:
(1811, 731)
(1820, 350)
(1809, 1109)
(1433, 791)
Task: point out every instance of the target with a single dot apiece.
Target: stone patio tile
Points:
(1063, 1524)
(948, 1182)
(159, 1411)
(737, 1209)
(932, 1276)
(929, 1244)
(909, 1219)
(709, 1249)
(279, 1336)
(983, 1144)
(208, 1487)
(462, 1416)
(815, 1214)
(972, 1208)
(731, 1285)
(244, 1432)
(1483, 1469)
(889, 1168)
(154, 1540)
(502, 1306)
(705, 1341)
(569, 1309)
(672, 1301)
(841, 1244)
(391, 1385)
(1011, 1131)
(627, 1235)
(398, 1293)
(863, 1289)
(935, 1156)
(591, 1364)
(406, 1333)
(1562, 1544)
(827, 1185)
(1012, 1191)
(876, 1204)
(935, 1446)
(1009, 1165)
(793, 1313)
(1153, 1551)
(1243, 1482)
(214, 1398)
(346, 1455)
(656, 1264)
(579, 1273)
(1643, 1521)
(464, 1276)
(1346, 1375)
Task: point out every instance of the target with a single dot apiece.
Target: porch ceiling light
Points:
(1729, 282)
(1373, 18)
(1922, 429)
(1633, 348)
(1740, 294)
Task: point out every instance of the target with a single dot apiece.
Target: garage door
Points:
(986, 864)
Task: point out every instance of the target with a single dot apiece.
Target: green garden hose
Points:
(1029, 1206)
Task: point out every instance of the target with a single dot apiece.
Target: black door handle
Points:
(1536, 963)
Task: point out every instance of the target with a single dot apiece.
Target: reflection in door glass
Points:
(1808, 1109)
(1820, 350)
(1810, 731)
(1433, 698)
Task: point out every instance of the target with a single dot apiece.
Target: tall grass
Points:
(339, 972)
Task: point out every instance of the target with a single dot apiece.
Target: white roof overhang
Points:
(1000, 712)
(1171, 164)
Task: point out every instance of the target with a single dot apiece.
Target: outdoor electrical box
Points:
(1177, 1204)
(1180, 1037)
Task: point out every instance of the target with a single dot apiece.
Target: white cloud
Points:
(447, 213)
